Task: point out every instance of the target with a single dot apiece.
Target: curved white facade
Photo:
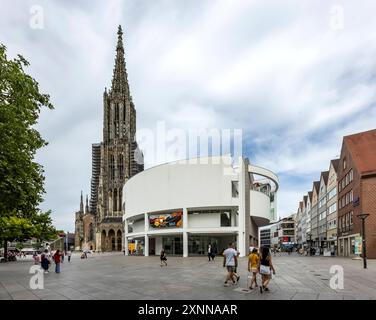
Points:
(208, 199)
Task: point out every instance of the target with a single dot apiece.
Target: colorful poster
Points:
(168, 220)
(358, 245)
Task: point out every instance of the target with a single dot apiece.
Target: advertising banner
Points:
(168, 220)
(358, 245)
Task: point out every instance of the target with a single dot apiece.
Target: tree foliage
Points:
(21, 178)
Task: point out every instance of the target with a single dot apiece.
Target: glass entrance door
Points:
(173, 245)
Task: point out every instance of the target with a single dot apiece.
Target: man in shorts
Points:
(230, 261)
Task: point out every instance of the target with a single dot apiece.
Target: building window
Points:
(115, 200)
(351, 196)
(112, 167)
(333, 208)
(351, 175)
(121, 166)
(344, 163)
(235, 189)
(351, 218)
(332, 193)
(347, 179)
(120, 198)
(347, 220)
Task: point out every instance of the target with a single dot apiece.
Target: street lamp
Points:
(364, 216)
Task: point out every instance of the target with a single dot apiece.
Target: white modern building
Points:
(183, 206)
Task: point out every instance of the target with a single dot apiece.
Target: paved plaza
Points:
(114, 276)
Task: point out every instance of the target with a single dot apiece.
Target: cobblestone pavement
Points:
(114, 276)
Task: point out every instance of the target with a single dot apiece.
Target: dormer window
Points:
(344, 164)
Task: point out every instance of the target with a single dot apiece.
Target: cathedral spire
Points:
(81, 203)
(87, 205)
(120, 78)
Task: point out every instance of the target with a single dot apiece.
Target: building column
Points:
(146, 246)
(185, 244)
(242, 208)
(146, 218)
(185, 234)
(126, 245)
(185, 218)
(146, 241)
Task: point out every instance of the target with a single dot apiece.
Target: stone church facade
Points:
(116, 159)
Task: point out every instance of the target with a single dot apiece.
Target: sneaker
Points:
(250, 288)
(266, 289)
(237, 279)
(226, 284)
(261, 289)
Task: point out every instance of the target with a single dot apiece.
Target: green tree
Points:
(21, 178)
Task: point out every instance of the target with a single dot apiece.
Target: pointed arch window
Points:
(116, 112)
(116, 120)
(121, 166)
(115, 200)
(120, 198)
(112, 167)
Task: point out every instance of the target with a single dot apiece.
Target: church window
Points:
(117, 112)
(112, 167)
(121, 167)
(120, 198)
(115, 200)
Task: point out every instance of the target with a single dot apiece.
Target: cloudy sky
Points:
(295, 76)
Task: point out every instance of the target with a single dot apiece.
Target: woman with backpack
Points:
(266, 268)
(57, 259)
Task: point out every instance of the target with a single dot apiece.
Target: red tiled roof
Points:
(362, 147)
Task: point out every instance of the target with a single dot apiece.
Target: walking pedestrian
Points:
(163, 258)
(69, 254)
(266, 268)
(62, 256)
(209, 251)
(45, 261)
(253, 265)
(230, 261)
(57, 259)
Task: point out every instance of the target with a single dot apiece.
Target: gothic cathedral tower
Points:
(120, 157)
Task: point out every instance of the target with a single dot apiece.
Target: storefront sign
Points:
(358, 245)
(168, 220)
